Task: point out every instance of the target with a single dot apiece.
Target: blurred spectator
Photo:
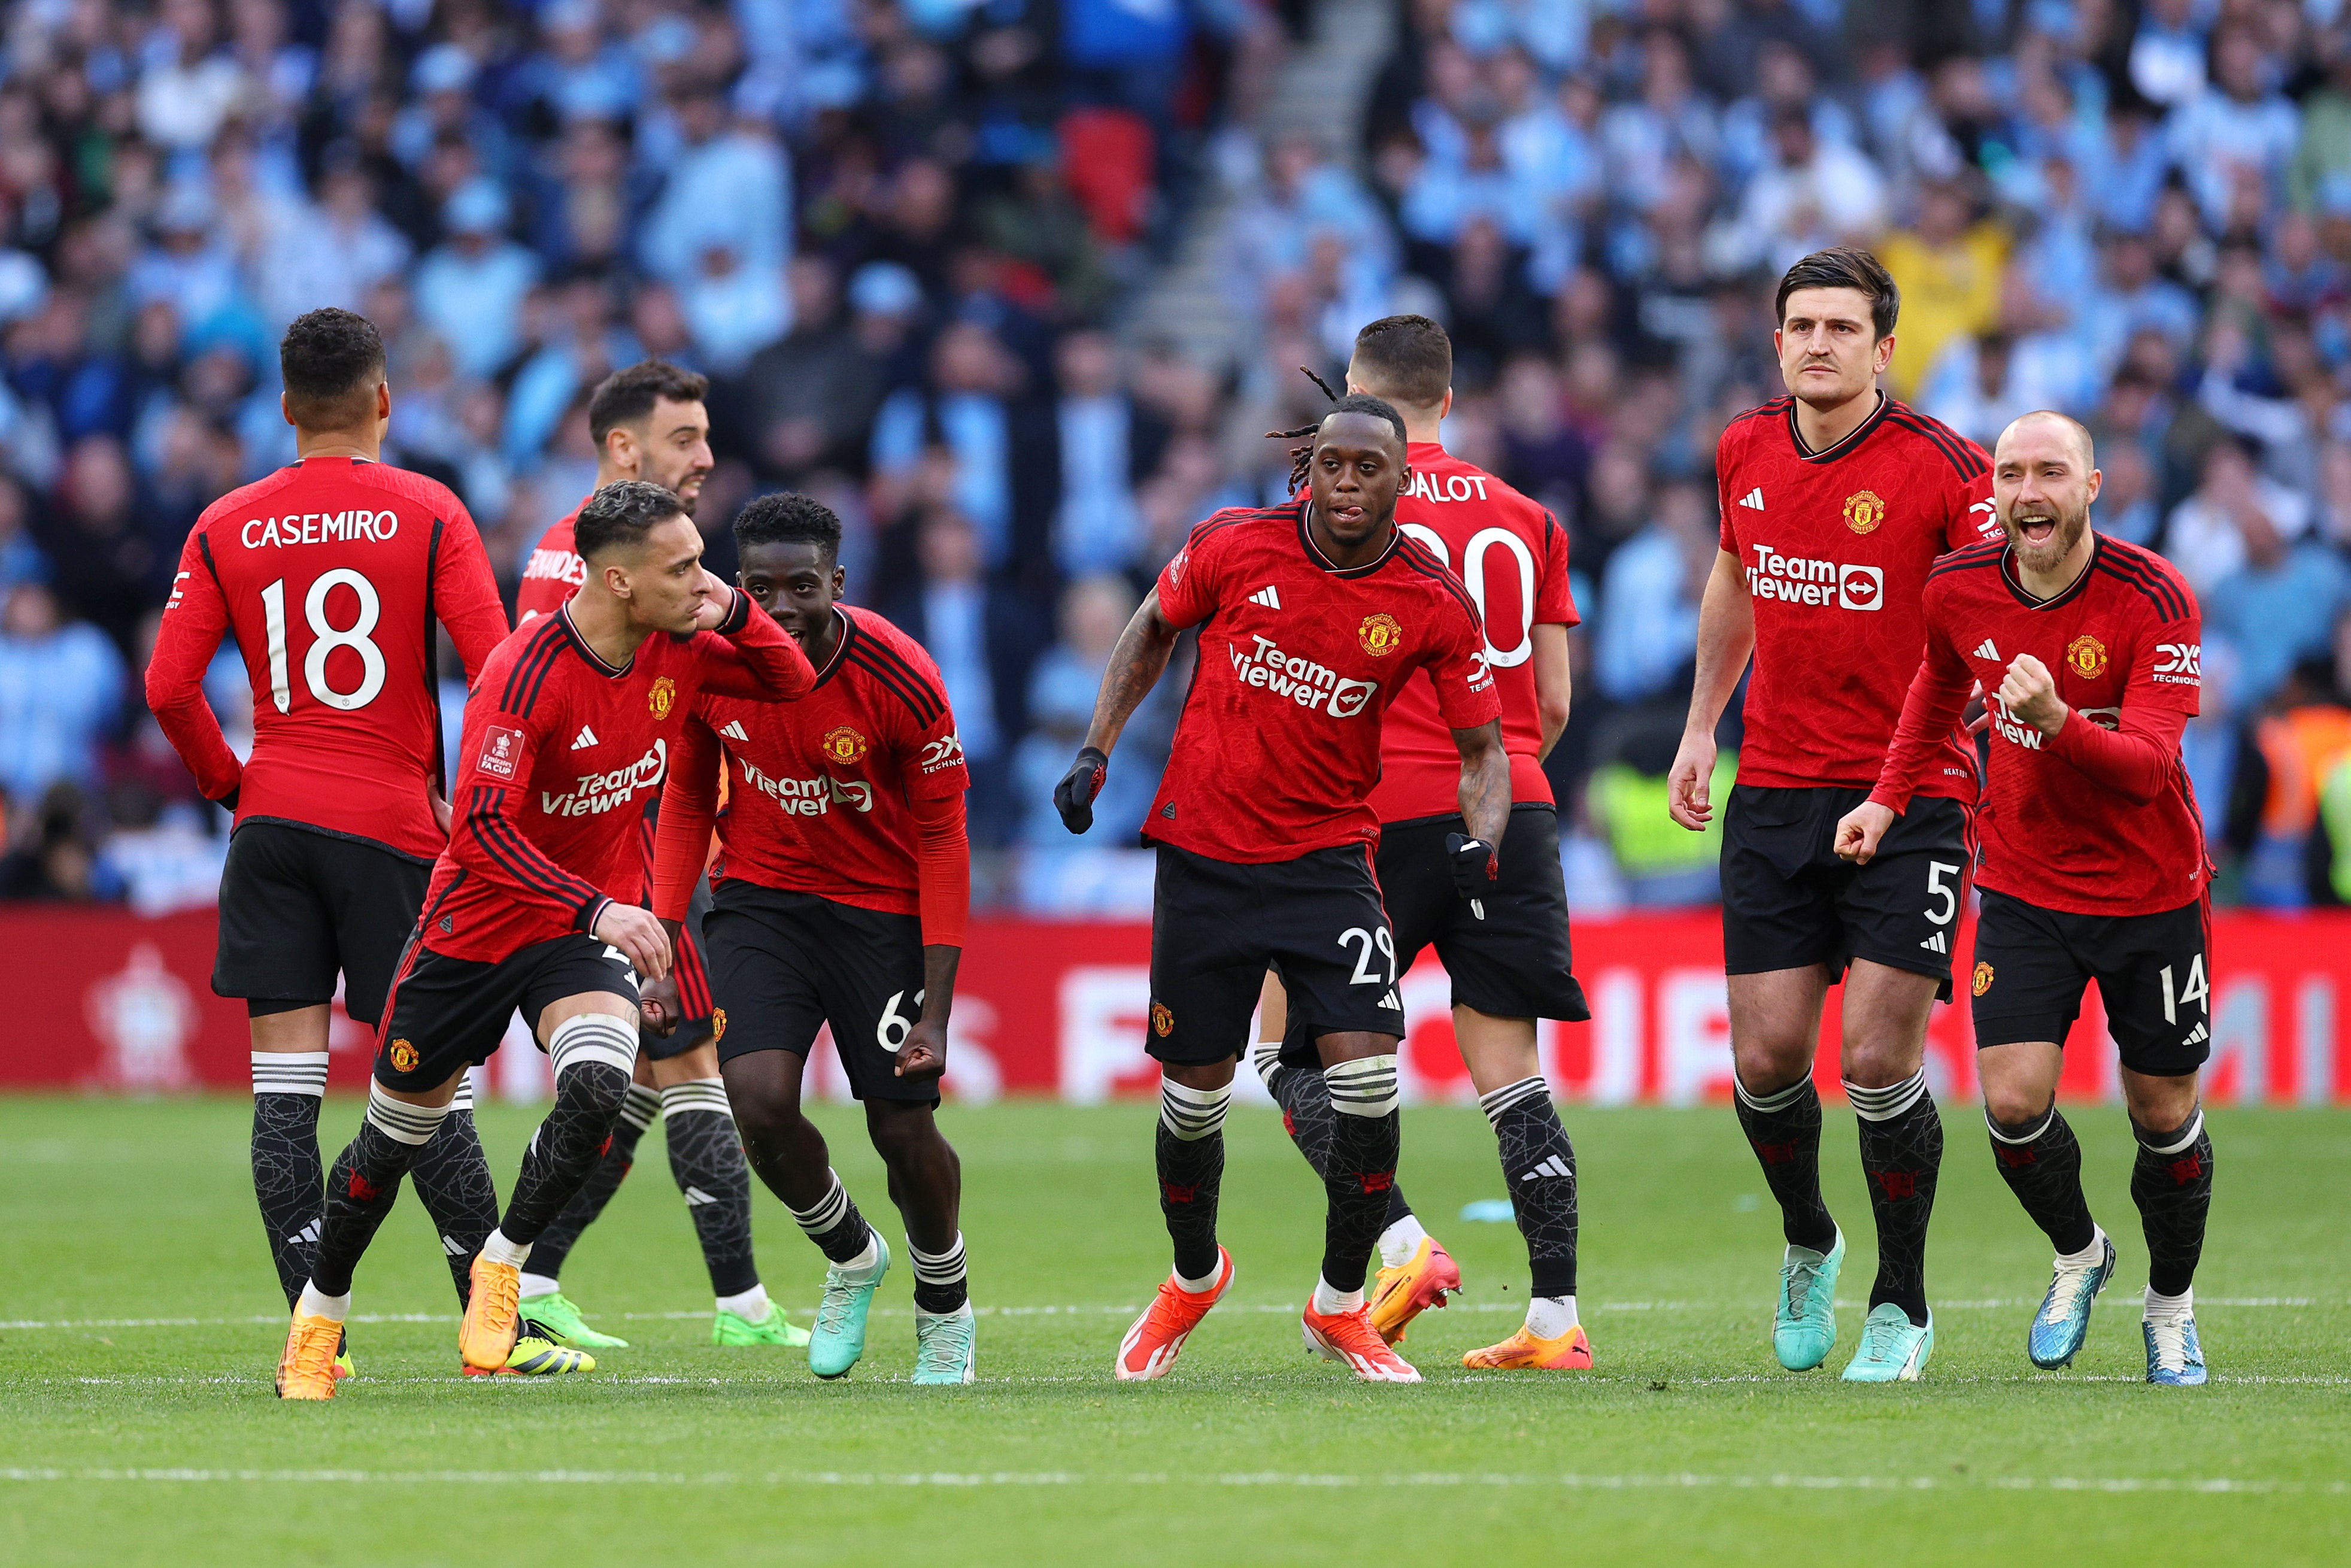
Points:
(470, 289)
(2279, 607)
(809, 397)
(1649, 598)
(1948, 267)
(1105, 444)
(1062, 692)
(978, 634)
(50, 856)
(2209, 535)
(104, 563)
(967, 407)
(60, 694)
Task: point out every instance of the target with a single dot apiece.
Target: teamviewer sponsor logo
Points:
(597, 793)
(2013, 730)
(1303, 681)
(1798, 580)
(808, 797)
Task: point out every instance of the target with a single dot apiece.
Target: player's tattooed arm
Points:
(1135, 665)
(1485, 781)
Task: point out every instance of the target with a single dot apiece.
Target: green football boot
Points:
(947, 1346)
(1893, 1348)
(560, 1322)
(344, 1365)
(1803, 1329)
(733, 1328)
(839, 1338)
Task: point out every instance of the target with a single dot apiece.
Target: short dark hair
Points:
(627, 396)
(1377, 407)
(327, 359)
(1844, 267)
(620, 515)
(785, 517)
(1408, 357)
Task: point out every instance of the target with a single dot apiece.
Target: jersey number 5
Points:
(325, 639)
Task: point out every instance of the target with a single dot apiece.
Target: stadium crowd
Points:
(903, 236)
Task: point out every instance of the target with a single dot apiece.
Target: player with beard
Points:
(328, 576)
(843, 886)
(1835, 500)
(1312, 617)
(1509, 956)
(649, 421)
(2094, 866)
(569, 725)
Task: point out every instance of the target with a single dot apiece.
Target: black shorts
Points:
(1513, 960)
(298, 905)
(1218, 926)
(784, 964)
(1789, 902)
(446, 1013)
(2154, 973)
(693, 971)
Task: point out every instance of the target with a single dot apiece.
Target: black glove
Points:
(1477, 865)
(1074, 796)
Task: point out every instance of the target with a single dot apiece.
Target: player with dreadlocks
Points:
(1313, 616)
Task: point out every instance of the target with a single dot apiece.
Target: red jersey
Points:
(2099, 818)
(330, 574)
(821, 792)
(1513, 555)
(559, 751)
(1835, 546)
(553, 574)
(1279, 744)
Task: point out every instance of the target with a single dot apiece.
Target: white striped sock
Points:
(827, 1212)
(1364, 1087)
(937, 1268)
(2188, 1135)
(1512, 1094)
(641, 1105)
(1884, 1104)
(1778, 1100)
(593, 1037)
(1192, 1114)
(290, 1073)
(464, 1099)
(402, 1122)
(695, 1094)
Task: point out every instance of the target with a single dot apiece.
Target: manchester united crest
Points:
(1163, 1022)
(1863, 510)
(717, 1025)
(1380, 634)
(1982, 982)
(663, 696)
(2086, 656)
(843, 746)
(403, 1056)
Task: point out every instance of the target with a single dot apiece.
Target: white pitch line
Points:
(1669, 1481)
(1658, 1382)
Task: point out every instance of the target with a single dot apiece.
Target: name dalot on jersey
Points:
(808, 797)
(1797, 580)
(599, 792)
(1313, 687)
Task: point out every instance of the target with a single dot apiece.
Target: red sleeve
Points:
(943, 868)
(1969, 518)
(689, 810)
(1726, 536)
(465, 594)
(1554, 600)
(2136, 762)
(489, 837)
(1187, 588)
(1938, 694)
(1466, 696)
(195, 621)
(750, 656)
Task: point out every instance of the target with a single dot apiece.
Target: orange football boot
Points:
(305, 1369)
(1522, 1352)
(1402, 1294)
(485, 1338)
(1151, 1346)
(1350, 1338)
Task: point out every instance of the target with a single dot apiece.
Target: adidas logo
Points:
(2197, 1036)
(1390, 1000)
(1936, 943)
(695, 1197)
(308, 1234)
(584, 740)
(1553, 1166)
(1266, 597)
(451, 1246)
(1753, 499)
(734, 730)
(1987, 650)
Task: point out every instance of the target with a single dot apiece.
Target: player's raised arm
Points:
(744, 654)
(1135, 665)
(194, 619)
(1725, 636)
(465, 593)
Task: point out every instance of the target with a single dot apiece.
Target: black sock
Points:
(1785, 1128)
(563, 1152)
(705, 1158)
(1189, 1148)
(940, 1282)
(1365, 1140)
(452, 1181)
(2042, 1165)
(365, 1183)
(838, 1231)
(1307, 1117)
(554, 1245)
(1901, 1154)
(1539, 1165)
(2171, 1182)
(287, 1182)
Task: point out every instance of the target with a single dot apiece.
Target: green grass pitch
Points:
(1685, 1444)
